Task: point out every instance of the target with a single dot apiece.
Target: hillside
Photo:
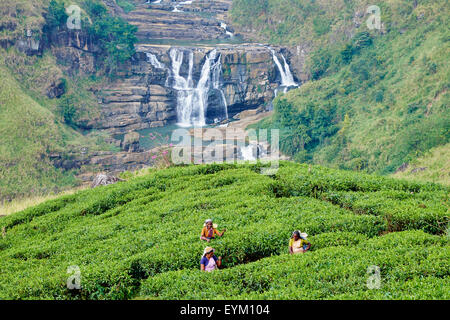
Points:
(33, 130)
(370, 100)
(25, 167)
(140, 239)
(434, 166)
(47, 94)
(378, 98)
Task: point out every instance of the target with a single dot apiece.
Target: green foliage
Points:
(392, 83)
(28, 132)
(303, 128)
(331, 273)
(67, 110)
(321, 26)
(320, 62)
(127, 6)
(115, 36)
(347, 53)
(141, 237)
(55, 16)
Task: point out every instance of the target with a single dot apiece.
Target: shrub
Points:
(143, 235)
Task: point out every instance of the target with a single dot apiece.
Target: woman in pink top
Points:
(209, 261)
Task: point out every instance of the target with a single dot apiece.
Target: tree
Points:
(55, 17)
(320, 61)
(115, 36)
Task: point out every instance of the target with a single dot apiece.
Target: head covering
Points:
(208, 250)
(301, 235)
(210, 220)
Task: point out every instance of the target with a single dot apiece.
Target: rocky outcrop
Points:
(196, 21)
(29, 46)
(145, 98)
(89, 163)
(130, 142)
(138, 102)
(104, 180)
(297, 57)
(249, 76)
(74, 51)
(56, 88)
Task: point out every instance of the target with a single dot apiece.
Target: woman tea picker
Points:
(209, 261)
(210, 231)
(299, 243)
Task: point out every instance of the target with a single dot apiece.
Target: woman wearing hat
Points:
(210, 231)
(209, 261)
(299, 243)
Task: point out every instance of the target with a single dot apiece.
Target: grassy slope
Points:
(32, 127)
(395, 92)
(128, 239)
(28, 132)
(31, 124)
(437, 164)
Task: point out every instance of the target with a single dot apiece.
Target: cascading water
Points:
(180, 4)
(252, 152)
(224, 26)
(287, 79)
(247, 153)
(216, 73)
(154, 61)
(192, 101)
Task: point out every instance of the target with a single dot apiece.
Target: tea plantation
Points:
(140, 239)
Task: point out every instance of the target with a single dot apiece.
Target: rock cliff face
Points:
(147, 98)
(153, 84)
(189, 67)
(178, 20)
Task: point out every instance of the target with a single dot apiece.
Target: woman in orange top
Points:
(209, 232)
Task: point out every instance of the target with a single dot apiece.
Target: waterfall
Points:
(192, 101)
(252, 152)
(287, 79)
(177, 6)
(216, 73)
(154, 61)
(247, 153)
(224, 26)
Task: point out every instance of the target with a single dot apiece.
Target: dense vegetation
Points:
(141, 238)
(23, 167)
(113, 35)
(33, 124)
(433, 166)
(379, 98)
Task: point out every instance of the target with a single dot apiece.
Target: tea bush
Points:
(412, 265)
(146, 231)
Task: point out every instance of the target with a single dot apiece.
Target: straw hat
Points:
(208, 250)
(215, 225)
